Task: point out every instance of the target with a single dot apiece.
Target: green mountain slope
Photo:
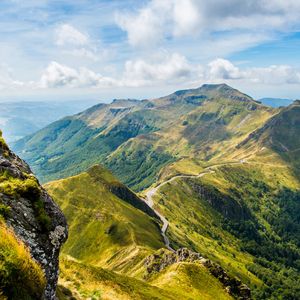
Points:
(135, 139)
(243, 211)
(109, 242)
(104, 230)
(279, 135)
(220, 167)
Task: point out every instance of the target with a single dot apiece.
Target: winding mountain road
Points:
(151, 192)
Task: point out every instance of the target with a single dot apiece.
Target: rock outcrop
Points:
(163, 258)
(32, 215)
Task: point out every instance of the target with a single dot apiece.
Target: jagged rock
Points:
(164, 258)
(44, 243)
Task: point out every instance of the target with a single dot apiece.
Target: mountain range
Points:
(19, 119)
(194, 195)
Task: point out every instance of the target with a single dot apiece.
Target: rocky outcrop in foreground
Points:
(32, 214)
(162, 259)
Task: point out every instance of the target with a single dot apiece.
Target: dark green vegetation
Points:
(244, 214)
(107, 229)
(20, 276)
(243, 219)
(135, 139)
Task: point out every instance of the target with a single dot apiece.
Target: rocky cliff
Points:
(33, 216)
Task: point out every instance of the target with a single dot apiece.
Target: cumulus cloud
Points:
(69, 35)
(159, 20)
(73, 42)
(145, 27)
(57, 75)
(168, 69)
(275, 74)
(223, 69)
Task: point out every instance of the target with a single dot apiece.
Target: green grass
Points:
(190, 281)
(28, 188)
(20, 276)
(104, 230)
(137, 143)
(245, 218)
(3, 146)
(88, 282)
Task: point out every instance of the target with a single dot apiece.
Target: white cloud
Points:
(164, 70)
(275, 75)
(186, 17)
(167, 68)
(223, 69)
(69, 35)
(145, 28)
(57, 75)
(159, 20)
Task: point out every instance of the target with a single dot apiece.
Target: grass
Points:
(20, 276)
(3, 146)
(242, 217)
(28, 188)
(88, 282)
(190, 281)
(104, 230)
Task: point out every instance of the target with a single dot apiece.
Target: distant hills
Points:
(275, 102)
(18, 119)
(221, 168)
(135, 139)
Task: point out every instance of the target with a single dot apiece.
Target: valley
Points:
(193, 194)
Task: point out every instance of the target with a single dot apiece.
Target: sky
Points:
(101, 49)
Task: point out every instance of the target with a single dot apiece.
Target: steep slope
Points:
(280, 135)
(20, 276)
(106, 222)
(109, 234)
(243, 215)
(29, 219)
(135, 139)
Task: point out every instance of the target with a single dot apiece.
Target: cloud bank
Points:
(169, 70)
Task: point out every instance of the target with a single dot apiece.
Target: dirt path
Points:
(151, 192)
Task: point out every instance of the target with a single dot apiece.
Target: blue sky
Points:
(63, 49)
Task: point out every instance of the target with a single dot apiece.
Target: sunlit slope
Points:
(243, 216)
(180, 281)
(104, 230)
(279, 137)
(15, 259)
(108, 234)
(84, 281)
(136, 139)
(190, 281)
(207, 133)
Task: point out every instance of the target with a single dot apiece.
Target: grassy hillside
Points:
(243, 216)
(84, 281)
(108, 236)
(136, 139)
(190, 281)
(104, 230)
